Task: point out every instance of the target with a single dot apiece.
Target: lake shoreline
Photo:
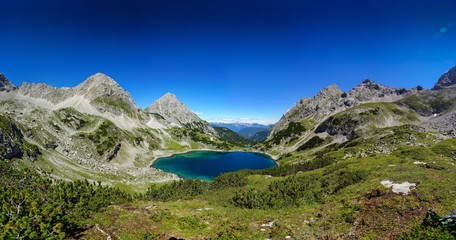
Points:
(208, 150)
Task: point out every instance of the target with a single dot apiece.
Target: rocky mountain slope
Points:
(176, 113)
(337, 116)
(446, 80)
(95, 130)
(365, 164)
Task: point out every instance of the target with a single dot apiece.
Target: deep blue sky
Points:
(228, 59)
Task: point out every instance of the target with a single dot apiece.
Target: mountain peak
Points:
(101, 85)
(100, 78)
(168, 104)
(170, 96)
(5, 84)
(446, 80)
(175, 112)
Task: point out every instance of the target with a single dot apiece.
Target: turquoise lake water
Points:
(207, 165)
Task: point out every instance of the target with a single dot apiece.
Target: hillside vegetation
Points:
(364, 164)
(338, 194)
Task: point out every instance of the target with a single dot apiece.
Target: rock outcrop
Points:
(370, 91)
(446, 80)
(6, 85)
(13, 143)
(10, 139)
(325, 102)
(45, 91)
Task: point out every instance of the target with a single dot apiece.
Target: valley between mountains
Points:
(75, 163)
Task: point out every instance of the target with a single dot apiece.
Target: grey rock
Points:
(325, 102)
(97, 85)
(100, 85)
(332, 100)
(177, 114)
(96, 88)
(446, 80)
(11, 139)
(5, 84)
(44, 91)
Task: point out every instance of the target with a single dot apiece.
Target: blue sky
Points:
(248, 60)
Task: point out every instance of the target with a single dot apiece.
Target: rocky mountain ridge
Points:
(97, 85)
(331, 100)
(347, 115)
(95, 130)
(6, 85)
(446, 80)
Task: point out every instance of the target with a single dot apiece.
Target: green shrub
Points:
(285, 170)
(311, 143)
(445, 148)
(293, 191)
(343, 178)
(429, 232)
(183, 189)
(231, 179)
(48, 210)
(293, 129)
(415, 153)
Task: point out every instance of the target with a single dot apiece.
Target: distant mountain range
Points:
(251, 131)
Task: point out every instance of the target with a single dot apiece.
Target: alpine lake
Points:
(206, 165)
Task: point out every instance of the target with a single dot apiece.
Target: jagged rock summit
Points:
(5, 84)
(446, 80)
(176, 113)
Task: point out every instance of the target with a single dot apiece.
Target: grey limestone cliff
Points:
(446, 80)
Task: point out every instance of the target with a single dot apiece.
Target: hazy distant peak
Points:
(448, 79)
(5, 84)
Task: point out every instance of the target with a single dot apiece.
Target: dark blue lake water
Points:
(207, 165)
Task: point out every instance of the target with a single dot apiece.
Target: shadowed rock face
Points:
(10, 140)
(6, 85)
(446, 80)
